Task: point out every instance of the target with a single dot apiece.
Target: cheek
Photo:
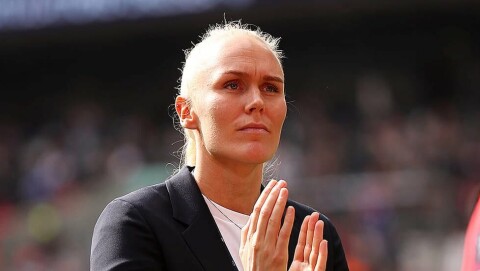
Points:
(279, 113)
(212, 114)
(214, 110)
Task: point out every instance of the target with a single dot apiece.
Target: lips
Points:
(254, 127)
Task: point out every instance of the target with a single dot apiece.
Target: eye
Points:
(233, 85)
(271, 88)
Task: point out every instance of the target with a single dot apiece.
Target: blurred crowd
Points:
(398, 185)
(57, 176)
(382, 132)
(390, 155)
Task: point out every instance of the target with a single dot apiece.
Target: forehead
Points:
(238, 51)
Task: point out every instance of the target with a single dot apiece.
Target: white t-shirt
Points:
(231, 234)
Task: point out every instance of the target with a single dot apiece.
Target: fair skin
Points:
(236, 113)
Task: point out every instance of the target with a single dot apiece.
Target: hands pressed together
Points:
(264, 240)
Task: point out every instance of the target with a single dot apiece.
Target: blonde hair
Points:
(190, 68)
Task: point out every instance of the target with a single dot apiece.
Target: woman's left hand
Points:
(264, 240)
(311, 252)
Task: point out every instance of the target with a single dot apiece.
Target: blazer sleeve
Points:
(123, 240)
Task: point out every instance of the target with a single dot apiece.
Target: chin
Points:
(257, 156)
(253, 153)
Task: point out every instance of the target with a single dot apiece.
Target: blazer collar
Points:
(201, 232)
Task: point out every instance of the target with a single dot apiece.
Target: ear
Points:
(187, 119)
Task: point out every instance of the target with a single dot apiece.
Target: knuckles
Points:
(265, 213)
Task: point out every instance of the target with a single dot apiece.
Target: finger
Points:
(244, 233)
(322, 258)
(298, 256)
(258, 207)
(286, 230)
(275, 220)
(310, 233)
(317, 238)
(267, 209)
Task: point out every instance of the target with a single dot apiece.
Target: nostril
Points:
(256, 102)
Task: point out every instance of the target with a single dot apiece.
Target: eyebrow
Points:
(266, 77)
(273, 78)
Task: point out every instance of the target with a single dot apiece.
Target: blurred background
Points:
(382, 133)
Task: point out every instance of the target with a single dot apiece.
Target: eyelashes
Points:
(271, 88)
(237, 85)
(233, 85)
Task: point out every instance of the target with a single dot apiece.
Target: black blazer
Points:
(168, 226)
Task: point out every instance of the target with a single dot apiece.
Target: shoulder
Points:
(150, 204)
(153, 203)
(142, 203)
(302, 210)
(126, 229)
(336, 255)
(146, 196)
(135, 206)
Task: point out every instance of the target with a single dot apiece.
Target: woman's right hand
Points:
(264, 240)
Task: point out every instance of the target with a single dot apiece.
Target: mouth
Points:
(255, 127)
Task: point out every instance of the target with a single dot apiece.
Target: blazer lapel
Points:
(201, 234)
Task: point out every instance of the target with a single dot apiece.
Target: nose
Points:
(255, 101)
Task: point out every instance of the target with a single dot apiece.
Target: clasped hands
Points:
(264, 240)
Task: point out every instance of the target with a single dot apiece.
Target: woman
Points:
(214, 213)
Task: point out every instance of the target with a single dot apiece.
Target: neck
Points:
(234, 187)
